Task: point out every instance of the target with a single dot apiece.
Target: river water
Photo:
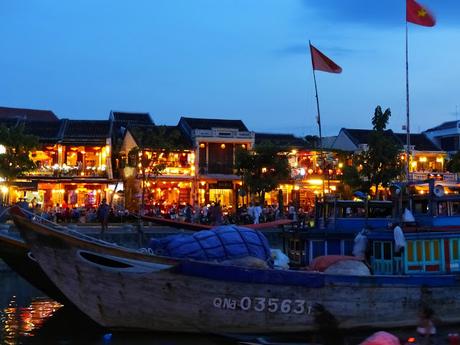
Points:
(29, 317)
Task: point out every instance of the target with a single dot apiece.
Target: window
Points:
(382, 250)
(455, 252)
(317, 248)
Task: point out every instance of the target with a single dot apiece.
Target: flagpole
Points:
(318, 119)
(408, 151)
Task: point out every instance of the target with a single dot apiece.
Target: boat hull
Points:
(16, 254)
(151, 293)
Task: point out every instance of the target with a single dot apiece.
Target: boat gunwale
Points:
(13, 241)
(25, 224)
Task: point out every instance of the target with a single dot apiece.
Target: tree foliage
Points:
(15, 160)
(313, 141)
(380, 163)
(453, 165)
(163, 138)
(262, 169)
(153, 142)
(154, 146)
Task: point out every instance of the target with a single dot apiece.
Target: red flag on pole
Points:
(321, 62)
(418, 14)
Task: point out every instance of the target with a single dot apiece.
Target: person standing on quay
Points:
(103, 215)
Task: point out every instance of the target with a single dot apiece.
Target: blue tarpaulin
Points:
(218, 244)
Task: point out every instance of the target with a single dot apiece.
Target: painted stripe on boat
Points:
(302, 278)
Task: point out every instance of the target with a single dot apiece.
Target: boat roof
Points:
(413, 233)
(342, 203)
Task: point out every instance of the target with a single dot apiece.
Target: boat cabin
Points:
(433, 239)
(303, 247)
(426, 252)
(352, 215)
(435, 204)
(336, 224)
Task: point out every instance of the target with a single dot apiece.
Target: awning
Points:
(25, 185)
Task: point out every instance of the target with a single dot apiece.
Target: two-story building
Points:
(73, 163)
(159, 166)
(216, 142)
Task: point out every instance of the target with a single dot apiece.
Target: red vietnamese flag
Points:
(321, 62)
(417, 14)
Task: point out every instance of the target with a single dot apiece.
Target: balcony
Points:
(67, 171)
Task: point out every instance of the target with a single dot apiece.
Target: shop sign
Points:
(221, 185)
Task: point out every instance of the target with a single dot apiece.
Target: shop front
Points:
(71, 195)
(223, 192)
(166, 193)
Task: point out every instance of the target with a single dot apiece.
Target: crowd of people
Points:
(210, 214)
(65, 214)
(216, 214)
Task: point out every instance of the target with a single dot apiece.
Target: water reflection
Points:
(17, 322)
(45, 321)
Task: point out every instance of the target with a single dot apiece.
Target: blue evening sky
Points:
(231, 59)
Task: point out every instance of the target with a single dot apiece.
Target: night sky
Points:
(230, 59)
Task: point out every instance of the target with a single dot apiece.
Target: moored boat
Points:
(433, 208)
(122, 289)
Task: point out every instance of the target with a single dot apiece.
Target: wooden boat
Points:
(197, 227)
(123, 289)
(15, 253)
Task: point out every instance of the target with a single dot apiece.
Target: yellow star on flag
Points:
(418, 14)
(421, 12)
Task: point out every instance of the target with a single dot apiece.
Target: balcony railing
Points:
(223, 133)
(440, 176)
(179, 171)
(67, 172)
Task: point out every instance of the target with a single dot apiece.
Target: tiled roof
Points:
(129, 117)
(202, 123)
(86, 130)
(328, 142)
(142, 134)
(445, 125)
(361, 136)
(419, 141)
(45, 131)
(27, 114)
(281, 140)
